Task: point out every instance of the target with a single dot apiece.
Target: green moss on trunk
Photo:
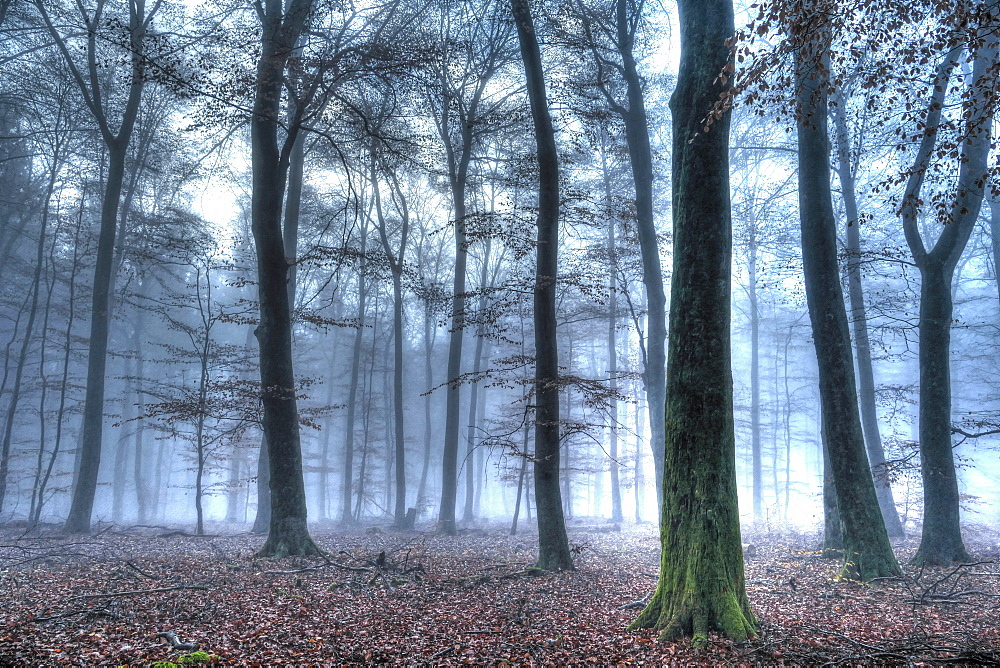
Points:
(701, 587)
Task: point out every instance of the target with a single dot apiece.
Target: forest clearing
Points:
(472, 598)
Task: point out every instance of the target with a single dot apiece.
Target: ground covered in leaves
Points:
(409, 597)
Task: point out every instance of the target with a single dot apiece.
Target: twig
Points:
(135, 592)
(140, 571)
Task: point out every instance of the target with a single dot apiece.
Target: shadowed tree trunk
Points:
(553, 544)
(941, 538)
(288, 533)
(859, 321)
(867, 552)
(701, 586)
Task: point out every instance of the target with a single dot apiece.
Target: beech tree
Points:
(866, 549)
(941, 538)
(553, 544)
(281, 28)
(99, 101)
(701, 586)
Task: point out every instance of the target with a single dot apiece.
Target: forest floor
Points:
(383, 596)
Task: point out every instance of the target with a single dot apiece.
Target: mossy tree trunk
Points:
(867, 551)
(553, 544)
(701, 585)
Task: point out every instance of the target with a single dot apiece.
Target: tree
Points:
(91, 86)
(859, 322)
(941, 537)
(553, 544)
(867, 552)
(701, 585)
(621, 25)
(476, 46)
(288, 533)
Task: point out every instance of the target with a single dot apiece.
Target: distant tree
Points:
(611, 29)
(701, 586)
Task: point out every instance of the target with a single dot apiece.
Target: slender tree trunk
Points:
(612, 340)
(29, 329)
(346, 514)
(859, 321)
(67, 354)
(288, 533)
(757, 454)
(429, 383)
(553, 544)
(701, 584)
(641, 159)
(867, 552)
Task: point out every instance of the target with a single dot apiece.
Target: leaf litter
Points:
(137, 596)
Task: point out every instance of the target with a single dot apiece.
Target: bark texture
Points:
(701, 586)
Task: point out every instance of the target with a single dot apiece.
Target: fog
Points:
(370, 224)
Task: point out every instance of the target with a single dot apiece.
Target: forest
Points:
(499, 332)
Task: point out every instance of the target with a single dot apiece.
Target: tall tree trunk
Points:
(553, 544)
(612, 340)
(867, 552)
(941, 539)
(859, 321)
(757, 455)
(641, 159)
(67, 355)
(117, 143)
(288, 533)
(701, 585)
(347, 516)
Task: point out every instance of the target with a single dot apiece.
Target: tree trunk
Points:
(641, 159)
(867, 552)
(553, 544)
(36, 288)
(346, 514)
(941, 538)
(288, 533)
(701, 586)
(756, 450)
(859, 321)
(612, 340)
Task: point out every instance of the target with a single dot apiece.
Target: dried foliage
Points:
(409, 597)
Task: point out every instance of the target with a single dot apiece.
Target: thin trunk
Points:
(553, 544)
(612, 340)
(346, 514)
(67, 353)
(520, 477)
(36, 288)
(859, 321)
(755, 444)
(867, 551)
